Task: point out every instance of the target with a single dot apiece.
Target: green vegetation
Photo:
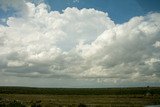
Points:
(87, 97)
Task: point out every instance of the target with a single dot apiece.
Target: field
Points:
(87, 97)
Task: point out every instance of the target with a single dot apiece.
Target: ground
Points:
(81, 99)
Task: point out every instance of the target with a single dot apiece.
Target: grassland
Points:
(70, 97)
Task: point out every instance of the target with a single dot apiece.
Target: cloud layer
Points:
(80, 44)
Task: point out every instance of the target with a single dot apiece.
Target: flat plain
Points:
(79, 97)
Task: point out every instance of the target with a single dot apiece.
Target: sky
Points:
(80, 43)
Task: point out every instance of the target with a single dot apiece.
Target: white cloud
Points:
(157, 44)
(15, 63)
(80, 44)
(123, 50)
(152, 61)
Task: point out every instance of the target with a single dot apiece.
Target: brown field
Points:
(70, 97)
(81, 100)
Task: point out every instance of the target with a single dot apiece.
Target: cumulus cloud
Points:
(123, 51)
(80, 44)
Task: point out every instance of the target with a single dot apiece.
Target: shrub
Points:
(36, 105)
(16, 104)
(82, 105)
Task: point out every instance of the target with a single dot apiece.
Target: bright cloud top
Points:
(79, 44)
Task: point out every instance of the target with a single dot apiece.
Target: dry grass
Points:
(88, 100)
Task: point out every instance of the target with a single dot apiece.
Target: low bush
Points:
(82, 105)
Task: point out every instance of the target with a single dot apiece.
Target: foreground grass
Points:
(80, 97)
